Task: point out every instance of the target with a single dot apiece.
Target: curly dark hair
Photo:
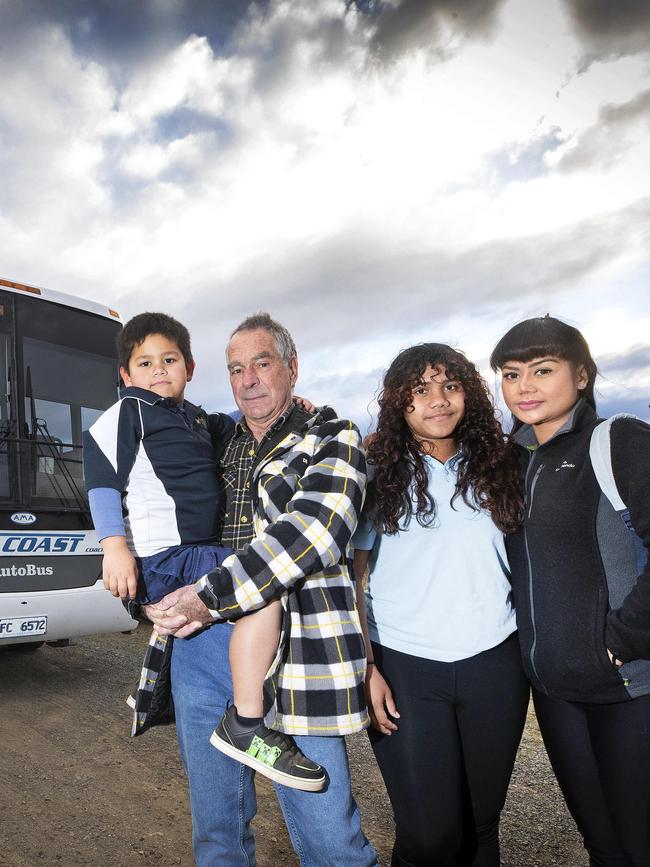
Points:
(488, 472)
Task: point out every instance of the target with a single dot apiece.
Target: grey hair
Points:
(283, 340)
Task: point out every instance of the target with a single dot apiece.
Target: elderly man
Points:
(294, 487)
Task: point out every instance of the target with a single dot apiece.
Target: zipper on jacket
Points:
(531, 603)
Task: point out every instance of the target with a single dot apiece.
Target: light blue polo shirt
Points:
(440, 592)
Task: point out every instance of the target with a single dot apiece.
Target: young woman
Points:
(583, 610)
(445, 686)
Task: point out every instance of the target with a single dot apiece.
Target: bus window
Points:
(69, 377)
(58, 402)
(6, 416)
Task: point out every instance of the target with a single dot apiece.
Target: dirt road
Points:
(74, 787)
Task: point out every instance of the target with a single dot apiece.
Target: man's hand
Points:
(119, 569)
(180, 613)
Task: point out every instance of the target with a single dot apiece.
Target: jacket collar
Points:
(154, 399)
(581, 416)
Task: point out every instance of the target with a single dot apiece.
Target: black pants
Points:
(601, 757)
(448, 766)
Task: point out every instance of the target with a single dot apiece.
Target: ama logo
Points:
(23, 518)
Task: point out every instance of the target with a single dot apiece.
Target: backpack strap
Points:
(600, 454)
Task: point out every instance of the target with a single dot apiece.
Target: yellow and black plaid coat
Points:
(309, 491)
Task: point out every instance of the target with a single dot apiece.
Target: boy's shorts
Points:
(176, 567)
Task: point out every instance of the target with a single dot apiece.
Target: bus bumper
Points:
(56, 614)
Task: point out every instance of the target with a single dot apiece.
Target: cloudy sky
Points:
(372, 173)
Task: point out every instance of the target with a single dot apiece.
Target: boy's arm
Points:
(119, 569)
(110, 447)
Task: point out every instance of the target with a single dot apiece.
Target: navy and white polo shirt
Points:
(158, 458)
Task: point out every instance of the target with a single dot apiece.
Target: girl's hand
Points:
(380, 701)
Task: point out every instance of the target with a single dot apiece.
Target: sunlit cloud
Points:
(372, 174)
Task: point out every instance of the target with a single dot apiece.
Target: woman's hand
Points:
(380, 701)
(614, 660)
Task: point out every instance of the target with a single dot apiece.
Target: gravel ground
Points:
(75, 790)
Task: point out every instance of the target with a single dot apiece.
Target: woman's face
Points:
(542, 392)
(436, 409)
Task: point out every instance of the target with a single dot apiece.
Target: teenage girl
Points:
(583, 609)
(446, 690)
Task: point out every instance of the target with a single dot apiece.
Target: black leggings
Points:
(448, 766)
(601, 757)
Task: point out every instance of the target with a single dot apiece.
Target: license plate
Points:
(22, 627)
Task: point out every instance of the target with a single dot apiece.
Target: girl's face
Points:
(542, 392)
(436, 409)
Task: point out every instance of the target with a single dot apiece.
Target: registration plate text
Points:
(22, 627)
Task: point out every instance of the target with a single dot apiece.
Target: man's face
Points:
(157, 364)
(261, 382)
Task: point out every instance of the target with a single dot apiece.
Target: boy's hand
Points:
(119, 569)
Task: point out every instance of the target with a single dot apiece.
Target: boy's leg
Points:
(241, 733)
(222, 795)
(253, 646)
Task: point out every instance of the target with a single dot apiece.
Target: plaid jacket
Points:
(308, 493)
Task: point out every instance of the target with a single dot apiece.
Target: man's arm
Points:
(311, 535)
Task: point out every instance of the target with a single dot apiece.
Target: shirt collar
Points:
(450, 464)
(242, 429)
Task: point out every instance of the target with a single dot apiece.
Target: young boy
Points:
(150, 472)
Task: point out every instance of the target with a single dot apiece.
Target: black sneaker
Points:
(272, 753)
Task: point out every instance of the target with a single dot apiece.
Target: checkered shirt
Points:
(307, 486)
(236, 469)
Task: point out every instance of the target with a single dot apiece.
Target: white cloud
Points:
(366, 203)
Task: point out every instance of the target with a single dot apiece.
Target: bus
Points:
(58, 373)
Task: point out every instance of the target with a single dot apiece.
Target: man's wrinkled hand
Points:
(180, 613)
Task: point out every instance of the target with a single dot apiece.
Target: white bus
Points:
(58, 372)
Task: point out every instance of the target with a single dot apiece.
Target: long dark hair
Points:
(488, 473)
(541, 337)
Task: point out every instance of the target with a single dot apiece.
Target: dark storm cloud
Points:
(612, 28)
(123, 32)
(605, 141)
(633, 400)
(426, 23)
(359, 285)
(631, 361)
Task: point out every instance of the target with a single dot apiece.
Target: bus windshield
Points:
(67, 376)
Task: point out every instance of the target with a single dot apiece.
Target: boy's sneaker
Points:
(272, 753)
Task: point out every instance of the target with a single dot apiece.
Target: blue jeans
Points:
(325, 827)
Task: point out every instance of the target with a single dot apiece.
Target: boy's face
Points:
(157, 364)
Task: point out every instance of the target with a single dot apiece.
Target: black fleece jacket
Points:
(575, 582)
